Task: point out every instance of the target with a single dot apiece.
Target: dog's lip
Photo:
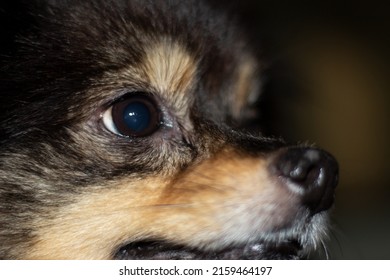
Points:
(162, 250)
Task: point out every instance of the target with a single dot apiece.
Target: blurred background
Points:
(328, 84)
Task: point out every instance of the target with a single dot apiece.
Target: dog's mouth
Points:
(161, 250)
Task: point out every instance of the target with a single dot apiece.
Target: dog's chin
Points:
(161, 250)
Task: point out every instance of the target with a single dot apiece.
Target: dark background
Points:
(328, 84)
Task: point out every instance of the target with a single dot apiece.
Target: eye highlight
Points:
(135, 115)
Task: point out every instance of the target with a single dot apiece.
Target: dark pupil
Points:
(137, 116)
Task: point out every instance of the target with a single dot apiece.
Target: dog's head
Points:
(122, 136)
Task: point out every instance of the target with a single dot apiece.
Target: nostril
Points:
(302, 171)
(313, 172)
(300, 165)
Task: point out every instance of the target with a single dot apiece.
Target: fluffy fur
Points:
(196, 188)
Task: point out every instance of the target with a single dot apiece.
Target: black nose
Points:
(313, 173)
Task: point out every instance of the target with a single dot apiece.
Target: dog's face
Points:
(121, 138)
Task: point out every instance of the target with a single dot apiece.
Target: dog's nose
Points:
(312, 173)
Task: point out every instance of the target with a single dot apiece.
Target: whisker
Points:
(212, 185)
(325, 250)
(336, 238)
(213, 181)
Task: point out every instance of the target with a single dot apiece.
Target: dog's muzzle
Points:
(308, 175)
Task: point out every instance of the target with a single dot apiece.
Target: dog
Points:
(124, 135)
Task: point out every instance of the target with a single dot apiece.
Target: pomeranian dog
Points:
(123, 136)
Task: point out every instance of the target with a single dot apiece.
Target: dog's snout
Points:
(313, 173)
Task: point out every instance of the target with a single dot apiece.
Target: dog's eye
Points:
(136, 115)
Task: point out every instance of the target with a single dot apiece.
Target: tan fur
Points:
(168, 70)
(222, 199)
(247, 86)
(169, 67)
